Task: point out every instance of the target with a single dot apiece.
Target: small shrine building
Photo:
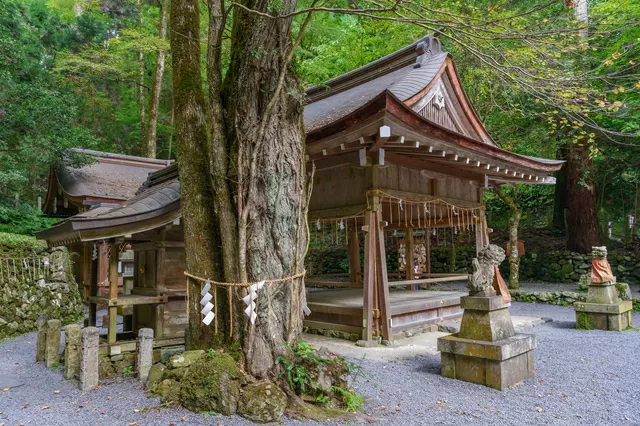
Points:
(393, 145)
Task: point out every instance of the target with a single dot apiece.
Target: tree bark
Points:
(192, 141)
(242, 173)
(582, 215)
(266, 140)
(560, 195)
(514, 223)
(143, 122)
(156, 86)
(582, 220)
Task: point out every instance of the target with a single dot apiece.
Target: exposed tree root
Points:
(298, 408)
(314, 412)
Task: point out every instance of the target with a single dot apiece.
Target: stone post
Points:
(41, 341)
(145, 353)
(71, 351)
(52, 349)
(89, 358)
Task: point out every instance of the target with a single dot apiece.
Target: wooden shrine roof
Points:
(112, 178)
(416, 142)
(418, 72)
(409, 108)
(154, 207)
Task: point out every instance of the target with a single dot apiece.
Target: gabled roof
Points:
(157, 206)
(414, 75)
(411, 107)
(404, 72)
(112, 178)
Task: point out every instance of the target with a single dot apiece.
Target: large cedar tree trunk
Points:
(196, 192)
(582, 216)
(582, 221)
(242, 172)
(266, 135)
(143, 122)
(560, 194)
(156, 87)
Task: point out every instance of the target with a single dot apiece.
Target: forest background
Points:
(97, 74)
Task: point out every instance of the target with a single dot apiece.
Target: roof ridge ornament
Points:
(428, 46)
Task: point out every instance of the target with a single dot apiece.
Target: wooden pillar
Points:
(160, 287)
(382, 282)
(427, 242)
(86, 270)
(136, 283)
(113, 292)
(94, 273)
(354, 256)
(409, 247)
(369, 275)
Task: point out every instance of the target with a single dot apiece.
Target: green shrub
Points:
(15, 245)
(24, 220)
(299, 366)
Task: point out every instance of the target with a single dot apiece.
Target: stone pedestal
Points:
(603, 309)
(487, 350)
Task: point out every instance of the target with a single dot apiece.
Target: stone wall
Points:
(566, 267)
(554, 266)
(39, 284)
(563, 298)
(441, 260)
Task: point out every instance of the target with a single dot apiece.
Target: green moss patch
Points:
(583, 321)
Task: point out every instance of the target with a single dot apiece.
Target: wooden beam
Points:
(158, 329)
(86, 269)
(417, 197)
(482, 239)
(336, 213)
(323, 308)
(320, 283)
(384, 133)
(333, 161)
(427, 244)
(422, 164)
(343, 274)
(129, 300)
(460, 277)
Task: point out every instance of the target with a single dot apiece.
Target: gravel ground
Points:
(582, 377)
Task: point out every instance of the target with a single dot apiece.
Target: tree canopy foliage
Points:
(70, 77)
